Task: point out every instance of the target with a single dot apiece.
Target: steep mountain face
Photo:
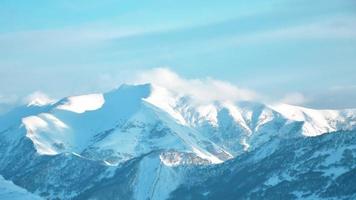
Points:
(10, 191)
(146, 142)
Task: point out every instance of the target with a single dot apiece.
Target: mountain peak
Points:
(81, 103)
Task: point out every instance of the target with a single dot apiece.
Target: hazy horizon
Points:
(302, 52)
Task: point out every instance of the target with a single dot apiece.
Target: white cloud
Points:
(295, 98)
(202, 90)
(38, 98)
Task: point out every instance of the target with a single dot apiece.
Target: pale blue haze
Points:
(275, 48)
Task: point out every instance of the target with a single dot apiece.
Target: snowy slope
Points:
(116, 126)
(317, 122)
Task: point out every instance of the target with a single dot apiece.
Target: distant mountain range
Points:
(147, 142)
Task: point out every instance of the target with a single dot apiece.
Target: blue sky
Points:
(301, 50)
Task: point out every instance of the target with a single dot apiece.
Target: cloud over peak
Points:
(202, 89)
(38, 98)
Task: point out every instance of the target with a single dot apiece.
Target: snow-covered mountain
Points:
(145, 141)
(310, 168)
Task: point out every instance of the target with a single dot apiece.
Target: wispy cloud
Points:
(202, 89)
(330, 28)
(38, 98)
(343, 88)
(295, 98)
(60, 39)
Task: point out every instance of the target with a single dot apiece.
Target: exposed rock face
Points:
(306, 168)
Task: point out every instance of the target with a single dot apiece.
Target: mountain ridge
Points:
(137, 128)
